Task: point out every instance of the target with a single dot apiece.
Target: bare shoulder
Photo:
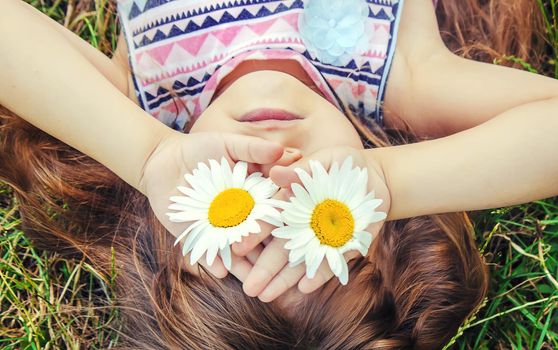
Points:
(418, 42)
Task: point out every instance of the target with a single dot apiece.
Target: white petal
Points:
(187, 230)
(252, 180)
(285, 232)
(321, 179)
(252, 226)
(184, 207)
(291, 217)
(234, 235)
(346, 167)
(333, 182)
(356, 190)
(239, 174)
(200, 248)
(185, 216)
(365, 238)
(362, 222)
(203, 170)
(194, 237)
(333, 257)
(354, 244)
(296, 256)
(296, 203)
(379, 216)
(261, 210)
(301, 240)
(302, 195)
(296, 262)
(217, 175)
(263, 189)
(311, 250)
(309, 184)
(201, 184)
(226, 172)
(201, 197)
(344, 276)
(212, 252)
(276, 203)
(273, 220)
(366, 209)
(226, 257)
(190, 202)
(316, 261)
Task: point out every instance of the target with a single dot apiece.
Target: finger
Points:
(252, 149)
(323, 275)
(290, 155)
(287, 278)
(217, 269)
(272, 259)
(248, 243)
(241, 266)
(254, 254)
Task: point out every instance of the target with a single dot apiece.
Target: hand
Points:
(178, 154)
(271, 276)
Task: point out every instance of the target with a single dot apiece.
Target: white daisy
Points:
(224, 206)
(328, 217)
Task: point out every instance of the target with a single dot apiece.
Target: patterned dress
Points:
(179, 50)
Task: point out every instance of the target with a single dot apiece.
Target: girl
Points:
(433, 254)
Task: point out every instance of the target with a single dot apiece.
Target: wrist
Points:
(378, 178)
(162, 136)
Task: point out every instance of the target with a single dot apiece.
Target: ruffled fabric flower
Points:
(223, 206)
(334, 31)
(328, 217)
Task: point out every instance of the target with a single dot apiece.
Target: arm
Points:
(503, 148)
(510, 159)
(46, 81)
(438, 93)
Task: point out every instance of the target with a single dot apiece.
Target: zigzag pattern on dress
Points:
(187, 46)
(231, 12)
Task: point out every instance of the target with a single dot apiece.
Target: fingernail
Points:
(291, 150)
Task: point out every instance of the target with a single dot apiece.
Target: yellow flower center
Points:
(333, 223)
(230, 208)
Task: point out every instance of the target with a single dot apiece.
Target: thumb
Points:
(251, 149)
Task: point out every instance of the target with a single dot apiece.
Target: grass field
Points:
(51, 303)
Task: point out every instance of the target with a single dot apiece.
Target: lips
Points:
(264, 114)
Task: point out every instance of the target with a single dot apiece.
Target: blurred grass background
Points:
(52, 303)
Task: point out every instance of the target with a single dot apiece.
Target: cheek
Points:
(333, 132)
(210, 121)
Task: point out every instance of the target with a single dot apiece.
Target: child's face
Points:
(320, 125)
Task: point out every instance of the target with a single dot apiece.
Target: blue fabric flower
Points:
(334, 30)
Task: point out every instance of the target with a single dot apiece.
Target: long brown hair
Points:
(489, 30)
(423, 277)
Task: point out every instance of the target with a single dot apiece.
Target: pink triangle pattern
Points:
(193, 44)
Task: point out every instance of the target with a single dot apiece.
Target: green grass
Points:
(50, 303)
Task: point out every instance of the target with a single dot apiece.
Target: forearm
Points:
(52, 86)
(510, 159)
